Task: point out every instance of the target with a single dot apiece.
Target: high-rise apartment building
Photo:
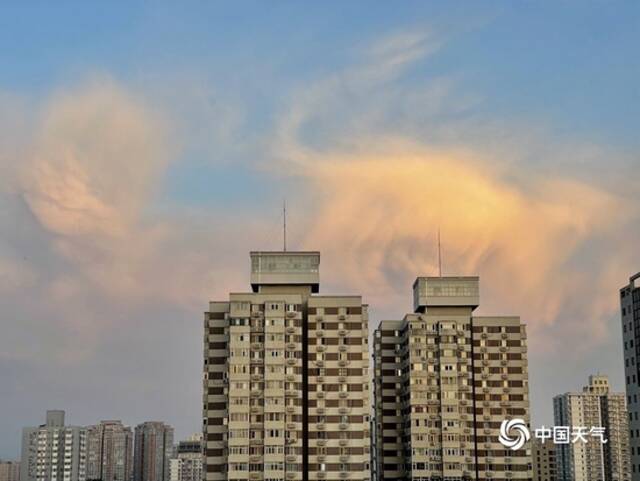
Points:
(53, 451)
(186, 463)
(9, 470)
(286, 382)
(109, 452)
(593, 460)
(444, 382)
(630, 309)
(153, 447)
(544, 460)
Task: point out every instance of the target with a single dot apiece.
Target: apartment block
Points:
(153, 448)
(630, 310)
(54, 451)
(444, 382)
(593, 460)
(186, 464)
(544, 460)
(286, 381)
(109, 452)
(9, 470)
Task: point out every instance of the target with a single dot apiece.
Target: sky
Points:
(147, 147)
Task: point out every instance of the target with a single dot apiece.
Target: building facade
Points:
(109, 452)
(544, 461)
(630, 310)
(9, 470)
(444, 381)
(153, 448)
(595, 406)
(186, 464)
(53, 451)
(286, 381)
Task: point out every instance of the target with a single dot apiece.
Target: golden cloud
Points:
(379, 211)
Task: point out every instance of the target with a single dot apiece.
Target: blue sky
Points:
(140, 139)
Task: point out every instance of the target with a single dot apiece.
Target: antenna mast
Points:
(439, 255)
(284, 225)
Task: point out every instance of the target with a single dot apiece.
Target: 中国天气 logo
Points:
(514, 433)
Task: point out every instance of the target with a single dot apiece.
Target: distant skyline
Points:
(145, 149)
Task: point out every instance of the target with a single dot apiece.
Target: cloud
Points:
(389, 167)
(97, 156)
(103, 281)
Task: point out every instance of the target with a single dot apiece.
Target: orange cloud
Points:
(378, 213)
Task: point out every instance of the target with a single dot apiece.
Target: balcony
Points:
(291, 314)
(320, 348)
(291, 346)
(344, 458)
(342, 317)
(319, 333)
(342, 332)
(343, 363)
(343, 394)
(343, 442)
(343, 348)
(291, 330)
(343, 426)
(290, 409)
(291, 361)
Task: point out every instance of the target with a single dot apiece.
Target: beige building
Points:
(9, 471)
(595, 406)
(544, 461)
(630, 311)
(109, 452)
(444, 381)
(286, 382)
